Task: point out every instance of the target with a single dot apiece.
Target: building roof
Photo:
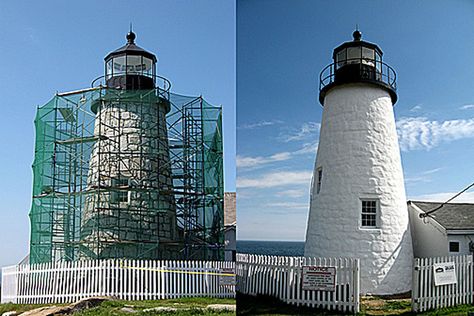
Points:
(131, 49)
(452, 216)
(229, 209)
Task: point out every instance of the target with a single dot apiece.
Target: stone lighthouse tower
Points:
(130, 210)
(358, 205)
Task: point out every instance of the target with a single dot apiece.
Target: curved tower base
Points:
(358, 203)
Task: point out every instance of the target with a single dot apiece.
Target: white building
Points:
(358, 203)
(447, 231)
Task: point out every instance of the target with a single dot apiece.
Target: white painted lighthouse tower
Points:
(358, 205)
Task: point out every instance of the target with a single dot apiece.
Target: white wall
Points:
(360, 157)
(429, 237)
(464, 240)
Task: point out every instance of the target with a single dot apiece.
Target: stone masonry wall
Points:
(134, 213)
(360, 158)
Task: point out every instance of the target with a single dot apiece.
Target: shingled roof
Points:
(452, 216)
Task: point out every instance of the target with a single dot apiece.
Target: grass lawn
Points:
(185, 306)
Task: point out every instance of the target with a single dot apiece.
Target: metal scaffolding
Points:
(127, 174)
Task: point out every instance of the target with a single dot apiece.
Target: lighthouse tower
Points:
(130, 211)
(358, 205)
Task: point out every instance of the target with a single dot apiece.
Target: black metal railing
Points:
(361, 69)
(162, 85)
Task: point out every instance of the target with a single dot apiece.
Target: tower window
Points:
(120, 195)
(320, 179)
(369, 213)
(454, 246)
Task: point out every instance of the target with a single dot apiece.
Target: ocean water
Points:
(273, 248)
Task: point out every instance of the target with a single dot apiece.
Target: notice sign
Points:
(227, 276)
(319, 278)
(444, 273)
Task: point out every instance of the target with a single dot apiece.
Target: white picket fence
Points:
(64, 282)
(426, 296)
(281, 277)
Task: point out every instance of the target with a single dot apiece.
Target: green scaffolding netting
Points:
(120, 174)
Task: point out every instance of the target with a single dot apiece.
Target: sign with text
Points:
(444, 273)
(319, 278)
(227, 276)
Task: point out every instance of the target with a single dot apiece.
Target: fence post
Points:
(414, 285)
(356, 281)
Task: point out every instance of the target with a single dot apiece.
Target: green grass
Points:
(187, 306)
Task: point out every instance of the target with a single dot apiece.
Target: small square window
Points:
(369, 213)
(121, 195)
(454, 246)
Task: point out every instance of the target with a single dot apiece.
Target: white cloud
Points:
(431, 171)
(308, 148)
(275, 179)
(420, 133)
(416, 108)
(249, 162)
(424, 176)
(467, 106)
(259, 161)
(289, 205)
(259, 124)
(467, 197)
(292, 193)
(306, 130)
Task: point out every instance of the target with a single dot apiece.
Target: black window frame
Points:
(369, 213)
(452, 243)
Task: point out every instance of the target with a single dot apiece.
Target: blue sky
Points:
(283, 45)
(49, 46)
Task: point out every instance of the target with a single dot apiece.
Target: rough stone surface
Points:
(85, 303)
(11, 313)
(47, 311)
(130, 161)
(222, 307)
(89, 302)
(161, 309)
(128, 310)
(359, 154)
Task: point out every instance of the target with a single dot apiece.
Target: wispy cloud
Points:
(259, 161)
(293, 193)
(467, 106)
(259, 124)
(288, 205)
(421, 133)
(424, 176)
(275, 179)
(416, 108)
(249, 162)
(308, 129)
(467, 197)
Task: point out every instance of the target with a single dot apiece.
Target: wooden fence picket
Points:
(426, 295)
(281, 277)
(64, 282)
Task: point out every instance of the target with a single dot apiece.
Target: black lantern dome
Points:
(357, 61)
(130, 67)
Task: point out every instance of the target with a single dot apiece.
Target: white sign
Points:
(227, 276)
(444, 273)
(319, 278)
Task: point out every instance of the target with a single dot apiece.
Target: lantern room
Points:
(358, 61)
(130, 67)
